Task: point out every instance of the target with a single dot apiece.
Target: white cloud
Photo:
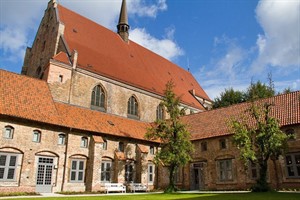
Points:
(18, 28)
(164, 47)
(140, 8)
(279, 45)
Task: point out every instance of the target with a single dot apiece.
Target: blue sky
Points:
(224, 43)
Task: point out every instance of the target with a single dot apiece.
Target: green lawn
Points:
(244, 196)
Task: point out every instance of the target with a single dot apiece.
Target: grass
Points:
(237, 196)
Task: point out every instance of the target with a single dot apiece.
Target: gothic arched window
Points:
(98, 98)
(160, 115)
(132, 107)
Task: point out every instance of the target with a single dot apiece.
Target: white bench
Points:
(138, 187)
(114, 187)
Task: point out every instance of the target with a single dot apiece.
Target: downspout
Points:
(74, 65)
(65, 161)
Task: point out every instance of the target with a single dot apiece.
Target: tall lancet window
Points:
(132, 110)
(98, 98)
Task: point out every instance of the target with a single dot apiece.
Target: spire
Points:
(123, 27)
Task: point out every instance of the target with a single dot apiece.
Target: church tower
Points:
(123, 27)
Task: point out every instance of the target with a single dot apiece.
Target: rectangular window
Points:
(36, 136)
(121, 147)
(60, 78)
(151, 150)
(151, 173)
(61, 139)
(77, 171)
(106, 171)
(129, 172)
(84, 142)
(223, 144)
(8, 165)
(293, 165)
(254, 171)
(225, 170)
(8, 132)
(177, 175)
(104, 145)
(203, 146)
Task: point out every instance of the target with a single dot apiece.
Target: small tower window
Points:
(60, 78)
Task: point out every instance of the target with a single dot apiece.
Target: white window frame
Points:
(104, 144)
(84, 142)
(77, 170)
(8, 132)
(61, 139)
(129, 172)
(106, 171)
(37, 136)
(6, 167)
(151, 169)
(151, 150)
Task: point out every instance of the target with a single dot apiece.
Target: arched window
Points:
(132, 107)
(61, 138)
(8, 132)
(160, 112)
(98, 98)
(36, 136)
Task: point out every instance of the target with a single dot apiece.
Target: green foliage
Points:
(259, 90)
(175, 146)
(229, 97)
(255, 91)
(260, 141)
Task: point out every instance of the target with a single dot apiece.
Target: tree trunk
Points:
(171, 187)
(262, 185)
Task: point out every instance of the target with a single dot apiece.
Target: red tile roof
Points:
(215, 122)
(27, 98)
(103, 52)
(95, 121)
(31, 99)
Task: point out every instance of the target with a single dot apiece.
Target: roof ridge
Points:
(247, 102)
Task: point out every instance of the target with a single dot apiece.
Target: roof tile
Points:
(126, 62)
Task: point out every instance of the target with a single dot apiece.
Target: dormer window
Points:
(98, 98)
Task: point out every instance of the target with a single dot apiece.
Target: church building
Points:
(76, 117)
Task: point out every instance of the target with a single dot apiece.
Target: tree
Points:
(229, 97)
(259, 90)
(255, 91)
(175, 144)
(259, 142)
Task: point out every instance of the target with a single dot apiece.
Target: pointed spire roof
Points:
(123, 18)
